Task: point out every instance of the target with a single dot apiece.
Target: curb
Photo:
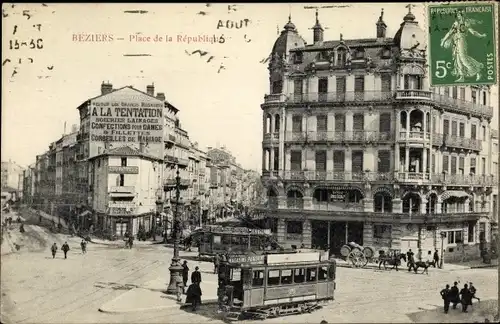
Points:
(103, 309)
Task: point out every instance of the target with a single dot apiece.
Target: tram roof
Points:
(232, 230)
(278, 258)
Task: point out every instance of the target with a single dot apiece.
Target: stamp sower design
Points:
(462, 44)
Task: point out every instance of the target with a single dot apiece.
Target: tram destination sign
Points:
(244, 258)
(236, 230)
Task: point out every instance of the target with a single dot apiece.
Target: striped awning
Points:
(454, 193)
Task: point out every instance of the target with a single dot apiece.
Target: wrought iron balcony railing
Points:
(414, 135)
(349, 96)
(271, 137)
(456, 141)
(336, 136)
(338, 176)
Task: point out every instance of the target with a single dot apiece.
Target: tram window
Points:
(311, 274)
(322, 273)
(258, 278)
(226, 239)
(216, 239)
(254, 241)
(286, 276)
(236, 275)
(244, 241)
(299, 275)
(273, 277)
(235, 240)
(331, 272)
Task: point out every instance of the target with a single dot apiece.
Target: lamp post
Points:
(175, 267)
(443, 235)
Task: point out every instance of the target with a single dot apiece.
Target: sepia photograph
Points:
(250, 162)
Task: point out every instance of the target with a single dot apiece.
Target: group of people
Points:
(65, 248)
(193, 293)
(454, 296)
(429, 260)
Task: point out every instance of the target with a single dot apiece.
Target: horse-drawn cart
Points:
(357, 255)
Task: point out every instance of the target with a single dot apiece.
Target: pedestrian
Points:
(53, 249)
(436, 259)
(193, 295)
(430, 259)
(196, 276)
(419, 255)
(65, 249)
(445, 294)
(466, 299)
(411, 262)
(454, 295)
(216, 263)
(185, 275)
(473, 293)
(83, 244)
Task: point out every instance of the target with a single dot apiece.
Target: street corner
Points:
(139, 300)
(477, 313)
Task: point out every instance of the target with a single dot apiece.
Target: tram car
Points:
(213, 239)
(275, 284)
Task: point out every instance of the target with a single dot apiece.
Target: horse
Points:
(420, 264)
(394, 260)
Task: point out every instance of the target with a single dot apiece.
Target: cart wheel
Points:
(357, 259)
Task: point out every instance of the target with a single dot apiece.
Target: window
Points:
(484, 98)
(276, 162)
(296, 123)
(385, 123)
(384, 161)
(461, 130)
(321, 123)
(462, 93)
(446, 127)
(122, 180)
(474, 96)
(470, 234)
(323, 273)
(454, 237)
(382, 231)
(357, 161)
(341, 57)
(473, 165)
(299, 275)
(453, 165)
(235, 240)
(216, 239)
(360, 53)
(454, 92)
(446, 163)
(311, 274)
(484, 133)
(434, 163)
(386, 53)
(277, 86)
(358, 122)
(461, 162)
(226, 239)
(298, 57)
(386, 79)
(297, 87)
(495, 170)
(359, 83)
(454, 128)
(341, 86)
(323, 85)
(338, 161)
(483, 167)
(447, 92)
(294, 227)
(320, 160)
(273, 277)
(258, 278)
(124, 161)
(286, 276)
(473, 129)
(339, 123)
(254, 241)
(296, 160)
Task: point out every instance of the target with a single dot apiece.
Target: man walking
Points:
(83, 244)
(196, 276)
(466, 299)
(454, 295)
(185, 275)
(65, 249)
(411, 262)
(53, 249)
(436, 259)
(445, 294)
(473, 291)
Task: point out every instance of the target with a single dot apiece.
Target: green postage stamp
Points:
(462, 44)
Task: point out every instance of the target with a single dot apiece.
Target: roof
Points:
(126, 151)
(288, 39)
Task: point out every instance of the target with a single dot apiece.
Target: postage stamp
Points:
(462, 44)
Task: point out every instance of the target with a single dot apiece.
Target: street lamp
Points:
(443, 235)
(175, 267)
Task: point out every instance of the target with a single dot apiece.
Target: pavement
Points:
(476, 264)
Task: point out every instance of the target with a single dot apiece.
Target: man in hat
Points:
(185, 275)
(454, 295)
(445, 294)
(196, 276)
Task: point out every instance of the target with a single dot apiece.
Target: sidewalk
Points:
(447, 267)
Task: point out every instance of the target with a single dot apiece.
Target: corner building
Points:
(358, 147)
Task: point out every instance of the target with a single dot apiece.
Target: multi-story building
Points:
(358, 147)
(29, 184)
(12, 179)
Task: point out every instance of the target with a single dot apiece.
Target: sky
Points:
(216, 107)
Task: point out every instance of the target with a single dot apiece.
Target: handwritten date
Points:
(32, 44)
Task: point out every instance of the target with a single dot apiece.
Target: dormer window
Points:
(323, 56)
(341, 57)
(277, 86)
(360, 53)
(386, 53)
(298, 57)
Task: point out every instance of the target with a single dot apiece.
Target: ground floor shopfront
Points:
(119, 225)
(458, 240)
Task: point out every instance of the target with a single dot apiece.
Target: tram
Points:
(272, 285)
(213, 239)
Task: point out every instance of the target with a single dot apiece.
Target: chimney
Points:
(160, 96)
(74, 128)
(150, 89)
(381, 26)
(106, 88)
(317, 30)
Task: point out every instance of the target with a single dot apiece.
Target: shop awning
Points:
(122, 194)
(454, 193)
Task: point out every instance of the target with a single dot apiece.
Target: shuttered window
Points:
(472, 165)
(461, 129)
(297, 86)
(447, 91)
(434, 163)
(297, 123)
(296, 160)
(474, 96)
(339, 123)
(384, 161)
(276, 161)
(446, 127)
(320, 160)
(386, 82)
(359, 84)
(321, 123)
(453, 165)
(473, 131)
(323, 85)
(338, 161)
(341, 85)
(385, 123)
(462, 93)
(446, 163)
(454, 92)
(454, 128)
(358, 121)
(461, 165)
(357, 161)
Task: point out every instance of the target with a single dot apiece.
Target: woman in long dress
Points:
(463, 64)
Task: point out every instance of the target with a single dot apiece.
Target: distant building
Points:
(12, 179)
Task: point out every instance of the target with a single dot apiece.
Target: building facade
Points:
(358, 147)
(12, 179)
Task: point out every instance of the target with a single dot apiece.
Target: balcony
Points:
(274, 98)
(294, 203)
(122, 189)
(171, 159)
(334, 136)
(413, 94)
(335, 97)
(173, 182)
(183, 162)
(465, 180)
(272, 203)
(121, 204)
(271, 137)
(412, 176)
(337, 176)
(457, 142)
(414, 136)
(122, 211)
(340, 206)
